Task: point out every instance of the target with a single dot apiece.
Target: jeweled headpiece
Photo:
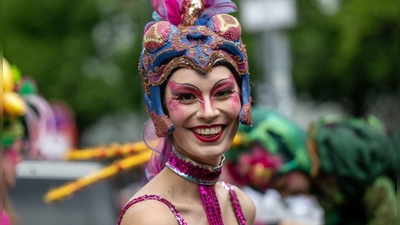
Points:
(193, 34)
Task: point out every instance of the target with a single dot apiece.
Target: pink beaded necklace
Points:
(205, 176)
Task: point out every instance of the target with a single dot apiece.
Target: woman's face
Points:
(11, 157)
(205, 111)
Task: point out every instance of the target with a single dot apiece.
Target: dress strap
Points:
(159, 198)
(235, 203)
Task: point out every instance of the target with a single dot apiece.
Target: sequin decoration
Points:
(211, 205)
(227, 26)
(192, 171)
(246, 114)
(159, 198)
(156, 36)
(193, 10)
(162, 123)
(235, 203)
(205, 176)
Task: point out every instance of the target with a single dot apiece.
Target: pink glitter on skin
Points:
(197, 102)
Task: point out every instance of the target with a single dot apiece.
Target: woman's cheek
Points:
(235, 102)
(177, 110)
(174, 105)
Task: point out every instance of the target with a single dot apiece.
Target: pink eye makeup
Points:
(224, 88)
(185, 93)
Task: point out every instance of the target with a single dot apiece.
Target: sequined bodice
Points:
(177, 214)
(205, 177)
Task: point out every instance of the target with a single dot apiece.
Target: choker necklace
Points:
(203, 175)
(193, 171)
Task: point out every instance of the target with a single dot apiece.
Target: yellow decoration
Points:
(106, 152)
(141, 155)
(237, 141)
(8, 82)
(13, 104)
(68, 189)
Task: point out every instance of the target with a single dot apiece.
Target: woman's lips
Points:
(208, 134)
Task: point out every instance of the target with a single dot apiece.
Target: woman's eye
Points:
(223, 94)
(186, 98)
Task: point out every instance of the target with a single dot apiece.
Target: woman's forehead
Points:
(188, 75)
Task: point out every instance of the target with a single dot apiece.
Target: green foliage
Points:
(53, 42)
(78, 52)
(347, 56)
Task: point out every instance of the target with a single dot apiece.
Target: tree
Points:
(347, 56)
(83, 52)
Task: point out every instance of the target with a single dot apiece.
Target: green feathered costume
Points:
(283, 141)
(360, 156)
(352, 162)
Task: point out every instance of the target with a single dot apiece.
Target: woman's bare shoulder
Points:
(148, 212)
(247, 205)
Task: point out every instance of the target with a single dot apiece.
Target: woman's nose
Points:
(208, 110)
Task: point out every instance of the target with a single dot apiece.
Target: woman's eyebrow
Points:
(220, 81)
(187, 85)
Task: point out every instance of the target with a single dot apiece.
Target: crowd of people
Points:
(340, 170)
(33, 128)
(217, 158)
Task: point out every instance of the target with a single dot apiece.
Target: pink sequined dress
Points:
(177, 214)
(206, 178)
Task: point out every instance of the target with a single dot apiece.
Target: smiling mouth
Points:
(208, 134)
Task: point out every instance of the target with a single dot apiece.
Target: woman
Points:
(13, 131)
(20, 103)
(195, 72)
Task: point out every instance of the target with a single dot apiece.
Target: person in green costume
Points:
(271, 164)
(348, 164)
(354, 170)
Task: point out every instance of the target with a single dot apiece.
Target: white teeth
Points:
(208, 131)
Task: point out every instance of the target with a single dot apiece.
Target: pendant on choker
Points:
(193, 171)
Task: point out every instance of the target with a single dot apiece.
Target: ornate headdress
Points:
(193, 34)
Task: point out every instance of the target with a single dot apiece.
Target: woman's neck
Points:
(193, 171)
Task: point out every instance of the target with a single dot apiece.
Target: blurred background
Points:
(307, 58)
(328, 55)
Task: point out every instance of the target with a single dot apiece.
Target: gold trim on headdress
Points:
(193, 10)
